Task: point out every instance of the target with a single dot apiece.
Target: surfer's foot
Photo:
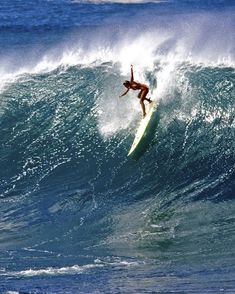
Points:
(149, 100)
(144, 114)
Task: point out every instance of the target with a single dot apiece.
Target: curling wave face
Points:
(64, 142)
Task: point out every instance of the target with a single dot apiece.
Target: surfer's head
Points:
(127, 84)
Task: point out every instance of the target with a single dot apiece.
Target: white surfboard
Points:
(143, 126)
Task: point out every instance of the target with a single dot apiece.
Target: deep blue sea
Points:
(77, 215)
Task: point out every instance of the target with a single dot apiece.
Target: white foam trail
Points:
(50, 271)
(119, 1)
(71, 270)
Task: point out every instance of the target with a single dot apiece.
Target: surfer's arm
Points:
(132, 74)
(125, 92)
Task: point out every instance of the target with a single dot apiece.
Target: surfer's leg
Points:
(143, 107)
(143, 93)
(142, 96)
(140, 93)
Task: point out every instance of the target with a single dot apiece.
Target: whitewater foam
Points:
(51, 271)
(194, 37)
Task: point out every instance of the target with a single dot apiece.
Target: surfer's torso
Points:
(137, 86)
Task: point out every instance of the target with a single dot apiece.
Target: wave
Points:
(196, 102)
(72, 198)
(69, 138)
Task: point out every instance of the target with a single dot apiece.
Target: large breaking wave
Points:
(73, 202)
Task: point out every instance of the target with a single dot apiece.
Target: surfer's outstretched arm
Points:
(132, 74)
(125, 92)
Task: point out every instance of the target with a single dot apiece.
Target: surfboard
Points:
(143, 127)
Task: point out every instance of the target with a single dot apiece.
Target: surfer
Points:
(137, 86)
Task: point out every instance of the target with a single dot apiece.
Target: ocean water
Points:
(76, 214)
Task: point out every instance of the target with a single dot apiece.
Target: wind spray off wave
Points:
(198, 37)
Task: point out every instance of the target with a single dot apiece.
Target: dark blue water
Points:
(79, 216)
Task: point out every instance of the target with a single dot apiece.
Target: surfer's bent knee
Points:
(144, 93)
